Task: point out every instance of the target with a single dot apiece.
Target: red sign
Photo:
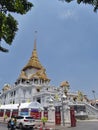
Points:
(35, 114)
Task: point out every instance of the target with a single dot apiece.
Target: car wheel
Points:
(21, 126)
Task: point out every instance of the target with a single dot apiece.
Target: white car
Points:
(25, 122)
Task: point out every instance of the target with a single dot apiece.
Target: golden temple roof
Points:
(6, 87)
(64, 84)
(34, 61)
(23, 75)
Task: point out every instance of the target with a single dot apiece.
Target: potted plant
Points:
(44, 120)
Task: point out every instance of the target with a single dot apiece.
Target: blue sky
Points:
(67, 45)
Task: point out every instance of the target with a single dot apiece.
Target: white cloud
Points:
(68, 14)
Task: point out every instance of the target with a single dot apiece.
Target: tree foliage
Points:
(94, 3)
(8, 24)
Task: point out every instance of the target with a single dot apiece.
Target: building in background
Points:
(33, 85)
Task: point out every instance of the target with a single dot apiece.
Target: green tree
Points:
(8, 24)
(94, 3)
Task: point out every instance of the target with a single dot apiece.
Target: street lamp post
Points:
(93, 91)
(64, 89)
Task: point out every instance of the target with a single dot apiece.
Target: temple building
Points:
(32, 84)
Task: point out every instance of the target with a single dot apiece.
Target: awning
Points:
(9, 106)
(34, 105)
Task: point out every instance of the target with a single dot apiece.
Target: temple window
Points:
(36, 81)
(13, 102)
(22, 80)
(15, 83)
(38, 90)
(14, 93)
(27, 82)
(11, 94)
(42, 81)
(39, 100)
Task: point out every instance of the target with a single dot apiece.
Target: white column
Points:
(4, 113)
(11, 113)
(51, 114)
(19, 110)
(29, 111)
(67, 116)
(42, 113)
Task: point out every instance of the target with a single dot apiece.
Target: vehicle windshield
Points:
(29, 117)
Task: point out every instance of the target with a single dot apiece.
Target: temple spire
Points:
(34, 60)
(37, 70)
(35, 44)
(35, 40)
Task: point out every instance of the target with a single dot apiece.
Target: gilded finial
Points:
(35, 40)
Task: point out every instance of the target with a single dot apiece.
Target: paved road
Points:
(88, 125)
(85, 126)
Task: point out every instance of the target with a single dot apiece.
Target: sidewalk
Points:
(2, 120)
(50, 127)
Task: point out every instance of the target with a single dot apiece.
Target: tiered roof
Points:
(34, 63)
